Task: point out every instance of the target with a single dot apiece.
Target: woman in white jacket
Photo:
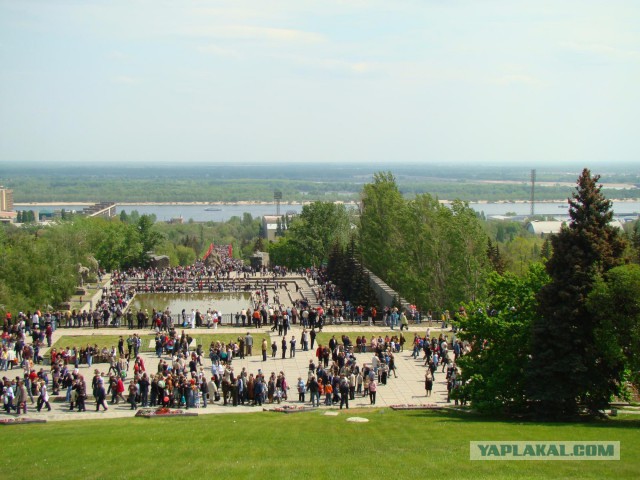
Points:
(43, 398)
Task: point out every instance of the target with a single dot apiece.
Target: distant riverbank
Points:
(253, 202)
(129, 204)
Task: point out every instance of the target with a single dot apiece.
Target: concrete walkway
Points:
(408, 388)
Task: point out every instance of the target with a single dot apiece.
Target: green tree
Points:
(635, 241)
(186, 255)
(565, 350)
(286, 253)
(319, 226)
(382, 212)
(499, 330)
(36, 271)
(614, 302)
(545, 252)
(468, 263)
(520, 252)
(429, 253)
(134, 217)
(149, 237)
(115, 245)
(495, 258)
(258, 246)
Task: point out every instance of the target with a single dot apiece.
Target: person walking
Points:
(264, 349)
(314, 391)
(21, 396)
(248, 343)
(81, 390)
(101, 395)
(133, 391)
(404, 322)
(373, 388)
(301, 390)
(343, 387)
(43, 398)
(312, 335)
(7, 397)
(292, 349)
(428, 383)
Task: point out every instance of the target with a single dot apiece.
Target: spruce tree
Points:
(566, 353)
(495, 257)
(635, 241)
(335, 264)
(545, 253)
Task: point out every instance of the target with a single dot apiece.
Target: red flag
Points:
(208, 252)
(230, 251)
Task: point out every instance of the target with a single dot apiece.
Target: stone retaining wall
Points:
(384, 292)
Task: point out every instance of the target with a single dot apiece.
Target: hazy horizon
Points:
(549, 165)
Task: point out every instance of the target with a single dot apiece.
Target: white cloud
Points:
(332, 64)
(218, 51)
(602, 50)
(248, 32)
(518, 79)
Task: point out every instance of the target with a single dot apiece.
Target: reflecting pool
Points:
(224, 302)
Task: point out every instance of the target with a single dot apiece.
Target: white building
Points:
(540, 227)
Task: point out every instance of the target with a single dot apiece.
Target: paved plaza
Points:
(407, 388)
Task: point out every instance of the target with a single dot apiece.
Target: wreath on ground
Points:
(21, 420)
(289, 409)
(163, 412)
(409, 406)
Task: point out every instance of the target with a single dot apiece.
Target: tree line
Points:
(553, 325)
(39, 265)
(193, 188)
(563, 339)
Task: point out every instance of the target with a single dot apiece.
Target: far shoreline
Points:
(257, 203)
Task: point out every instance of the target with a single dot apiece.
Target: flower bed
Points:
(407, 406)
(20, 421)
(163, 412)
(289, 409)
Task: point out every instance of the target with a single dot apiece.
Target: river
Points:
(199, 213)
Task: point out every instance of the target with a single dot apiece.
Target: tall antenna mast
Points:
(277, 196)
(533, 192)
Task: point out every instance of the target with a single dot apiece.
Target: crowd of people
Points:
(181, 380)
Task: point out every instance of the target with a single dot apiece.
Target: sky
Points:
(354, 81)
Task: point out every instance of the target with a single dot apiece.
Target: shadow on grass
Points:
(472, 417)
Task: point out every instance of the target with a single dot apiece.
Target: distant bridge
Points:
(102, 209)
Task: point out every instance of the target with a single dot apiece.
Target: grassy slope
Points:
(305, 445)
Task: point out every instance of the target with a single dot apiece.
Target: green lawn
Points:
(324, 337)
(414, 444)
(112, 340)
